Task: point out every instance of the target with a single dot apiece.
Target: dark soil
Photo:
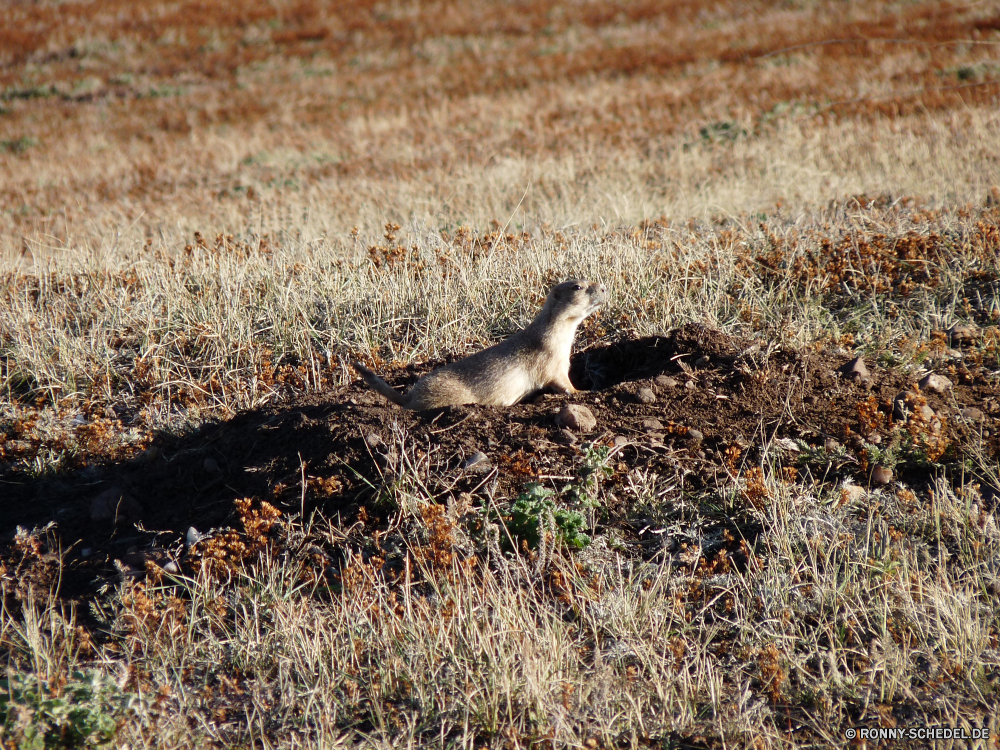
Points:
(348, 443)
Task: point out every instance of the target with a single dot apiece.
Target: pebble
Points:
(665, 381)
(478, 462)
(830, 444)
(193, 536)
(690, 385)
(172, 567)
(695, 436)
(576, 417)
(702, 361)
(114, 504)
(854, 370)
(567, 436)
(652, 425)
(935, 383)
(881, 474)
(150, 454)
(619, 441)
(973, 414)
(850, 493)
(645, 395)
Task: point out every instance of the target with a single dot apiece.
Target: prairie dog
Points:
(535, 357)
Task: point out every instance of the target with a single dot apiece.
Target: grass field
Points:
(211, 535)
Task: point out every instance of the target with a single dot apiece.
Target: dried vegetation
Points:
(207, 209)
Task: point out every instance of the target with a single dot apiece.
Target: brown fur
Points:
(534, 358)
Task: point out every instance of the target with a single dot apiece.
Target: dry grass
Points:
(205, 209)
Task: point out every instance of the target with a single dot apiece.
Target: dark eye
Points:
(577, 287)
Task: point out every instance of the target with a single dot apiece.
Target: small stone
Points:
(576, 417)
(875, 439)
(212, 466)
(850, 493)
(935, 383)
(701, 454)
(881, 475)
(973, 414)
(652, 425)
(373, 440)
(665, 381)
(690, 385)
(149, 455)
(193, 536)
(655, 437)
(478, 462)
(854, 370)
(114, 504)
(963, 332)
(702, 361)
(567, 436)
(695, 436)
(831, 445)
(618, 441)
(953, 353)
(172, 567)
(926, 412)
(645, 396)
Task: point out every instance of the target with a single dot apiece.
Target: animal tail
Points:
(379, 385)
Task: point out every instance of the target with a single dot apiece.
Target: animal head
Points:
(577, 298)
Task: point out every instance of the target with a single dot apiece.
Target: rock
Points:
(619, 441)
(831, 445)
(702, 361)
(171, 567)
(212, 466)
(114, 504)
(935, 383)
(193, 536)
(962, 333)
(149, 455)
(478, 462)
(854, 370)
(373, 440)
(576, 417)
(953, 353)
(665, 381)
(926, 413)
(875, 439)
(690, 385)
(881, 475)
(695, 436)
(567, 437)
(973, 414)
(652, 425)
(645, 396)
(850, 493)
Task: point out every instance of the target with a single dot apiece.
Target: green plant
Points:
(82, 712)
(535, 512)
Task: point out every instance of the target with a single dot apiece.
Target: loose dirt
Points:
(720, 404)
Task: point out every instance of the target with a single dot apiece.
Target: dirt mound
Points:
(695, 405)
